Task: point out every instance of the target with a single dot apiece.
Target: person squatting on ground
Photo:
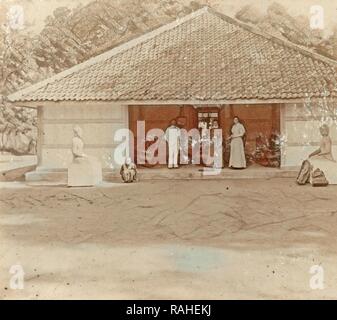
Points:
(128, 171)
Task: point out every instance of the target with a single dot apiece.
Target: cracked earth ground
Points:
(235, 239)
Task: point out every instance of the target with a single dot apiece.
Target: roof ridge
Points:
(110, 53)
(279, 40)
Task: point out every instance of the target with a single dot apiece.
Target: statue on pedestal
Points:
(325, 148)
(128, 171)
(323, 159)
(84, 171)
(320, 168)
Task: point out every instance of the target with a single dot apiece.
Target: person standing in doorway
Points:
(172, 136)
(237, 158)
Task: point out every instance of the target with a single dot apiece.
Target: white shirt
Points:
(172, 134)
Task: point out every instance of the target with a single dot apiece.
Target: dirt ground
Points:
(234, 239)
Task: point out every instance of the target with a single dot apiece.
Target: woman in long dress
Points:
(237, 158)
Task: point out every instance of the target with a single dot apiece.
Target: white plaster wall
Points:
(300, 131)
(99, 122)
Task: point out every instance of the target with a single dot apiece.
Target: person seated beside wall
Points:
(128, 171)
(323, 159)
(320, 160)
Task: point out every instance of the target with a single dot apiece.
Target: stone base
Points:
(15, 167)
(84, 172)
(47, 177)
(44, 175)
(328, 167)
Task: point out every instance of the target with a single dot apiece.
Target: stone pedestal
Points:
(84, 172)
(328, 167)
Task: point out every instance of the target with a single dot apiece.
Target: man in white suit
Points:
(172, 136)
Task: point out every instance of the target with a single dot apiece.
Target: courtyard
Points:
(174, 239)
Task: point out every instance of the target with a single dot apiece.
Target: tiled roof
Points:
(204, 56)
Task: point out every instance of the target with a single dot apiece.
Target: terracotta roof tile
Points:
(205, 56)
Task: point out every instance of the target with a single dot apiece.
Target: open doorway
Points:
(262, 124)
(262, 138)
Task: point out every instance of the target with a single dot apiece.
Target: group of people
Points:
(237, 151)
(319, 169)
(128, 170)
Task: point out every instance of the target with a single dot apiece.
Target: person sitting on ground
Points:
(128, 171)
(321, 159)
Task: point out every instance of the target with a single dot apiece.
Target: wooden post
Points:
(40, 135)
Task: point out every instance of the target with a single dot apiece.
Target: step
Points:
(60, 177)
(14, 167)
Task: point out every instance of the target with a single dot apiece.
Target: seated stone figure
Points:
(323, 159)
(128, 171)
(84, 171)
